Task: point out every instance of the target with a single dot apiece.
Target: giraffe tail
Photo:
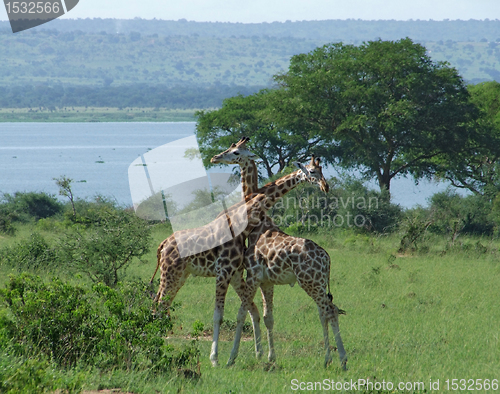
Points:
(158, 256)
(330, 296)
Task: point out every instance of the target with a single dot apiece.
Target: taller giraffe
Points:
(224, 260)
(284, 260)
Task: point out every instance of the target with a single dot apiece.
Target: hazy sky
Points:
(252, 11)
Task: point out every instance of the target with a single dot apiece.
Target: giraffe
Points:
(211, 258)
(285, 260)
(225, 262)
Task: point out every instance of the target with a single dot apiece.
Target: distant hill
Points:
(349, 30)
(193, 64)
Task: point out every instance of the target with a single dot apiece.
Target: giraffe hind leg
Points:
(333, 317)
(324, 324)
(170, 284)
(267, 298)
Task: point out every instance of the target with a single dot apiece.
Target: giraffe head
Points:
(236, 154)
(314, 173)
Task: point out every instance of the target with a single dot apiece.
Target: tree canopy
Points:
(477, 168)
(276, 143)
(383, 107)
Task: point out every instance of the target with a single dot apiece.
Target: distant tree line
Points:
(349, 30)
(136, 95)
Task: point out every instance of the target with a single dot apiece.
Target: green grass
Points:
(410, 318)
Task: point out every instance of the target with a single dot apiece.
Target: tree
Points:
(385, 107)
(105, 249)
(478, 168)
(64, 184)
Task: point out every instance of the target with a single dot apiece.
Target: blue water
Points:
(97, 156)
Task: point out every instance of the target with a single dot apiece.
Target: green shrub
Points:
(25, 376)
(103, 327)
(348, 205)
(31, 205)
(30, 254)
(413, 230)
(103, 243)
(6, 226)
(453, 214)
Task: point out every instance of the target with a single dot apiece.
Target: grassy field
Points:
(411, 319)
(96, 114)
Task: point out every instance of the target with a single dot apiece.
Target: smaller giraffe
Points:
(285, 259)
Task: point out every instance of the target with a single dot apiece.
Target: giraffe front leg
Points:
(254, 277)
(226, 269)
(220, 297)
(240, 288)
(214, 354)
(267, 298)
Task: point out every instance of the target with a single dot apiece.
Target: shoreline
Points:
(96, 114)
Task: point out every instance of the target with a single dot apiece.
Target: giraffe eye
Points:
(236, 153)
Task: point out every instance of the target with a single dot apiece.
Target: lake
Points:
(97, 157)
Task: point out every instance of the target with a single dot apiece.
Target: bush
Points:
(29, 376)
(30, 254)
(453, 214)
(26, 206)
(348, 204)
(6, 226)
(414, 229)
(103, 243)
(103, 327)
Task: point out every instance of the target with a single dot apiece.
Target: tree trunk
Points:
(384, 180)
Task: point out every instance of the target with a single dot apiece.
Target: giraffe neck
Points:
(249, 174)
(278, 188)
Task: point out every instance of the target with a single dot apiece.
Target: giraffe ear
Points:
(318, 161)
(302, 167)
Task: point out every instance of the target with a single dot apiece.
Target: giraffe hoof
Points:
(230, 363)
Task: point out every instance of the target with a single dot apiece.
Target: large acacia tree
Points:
(383, 107)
